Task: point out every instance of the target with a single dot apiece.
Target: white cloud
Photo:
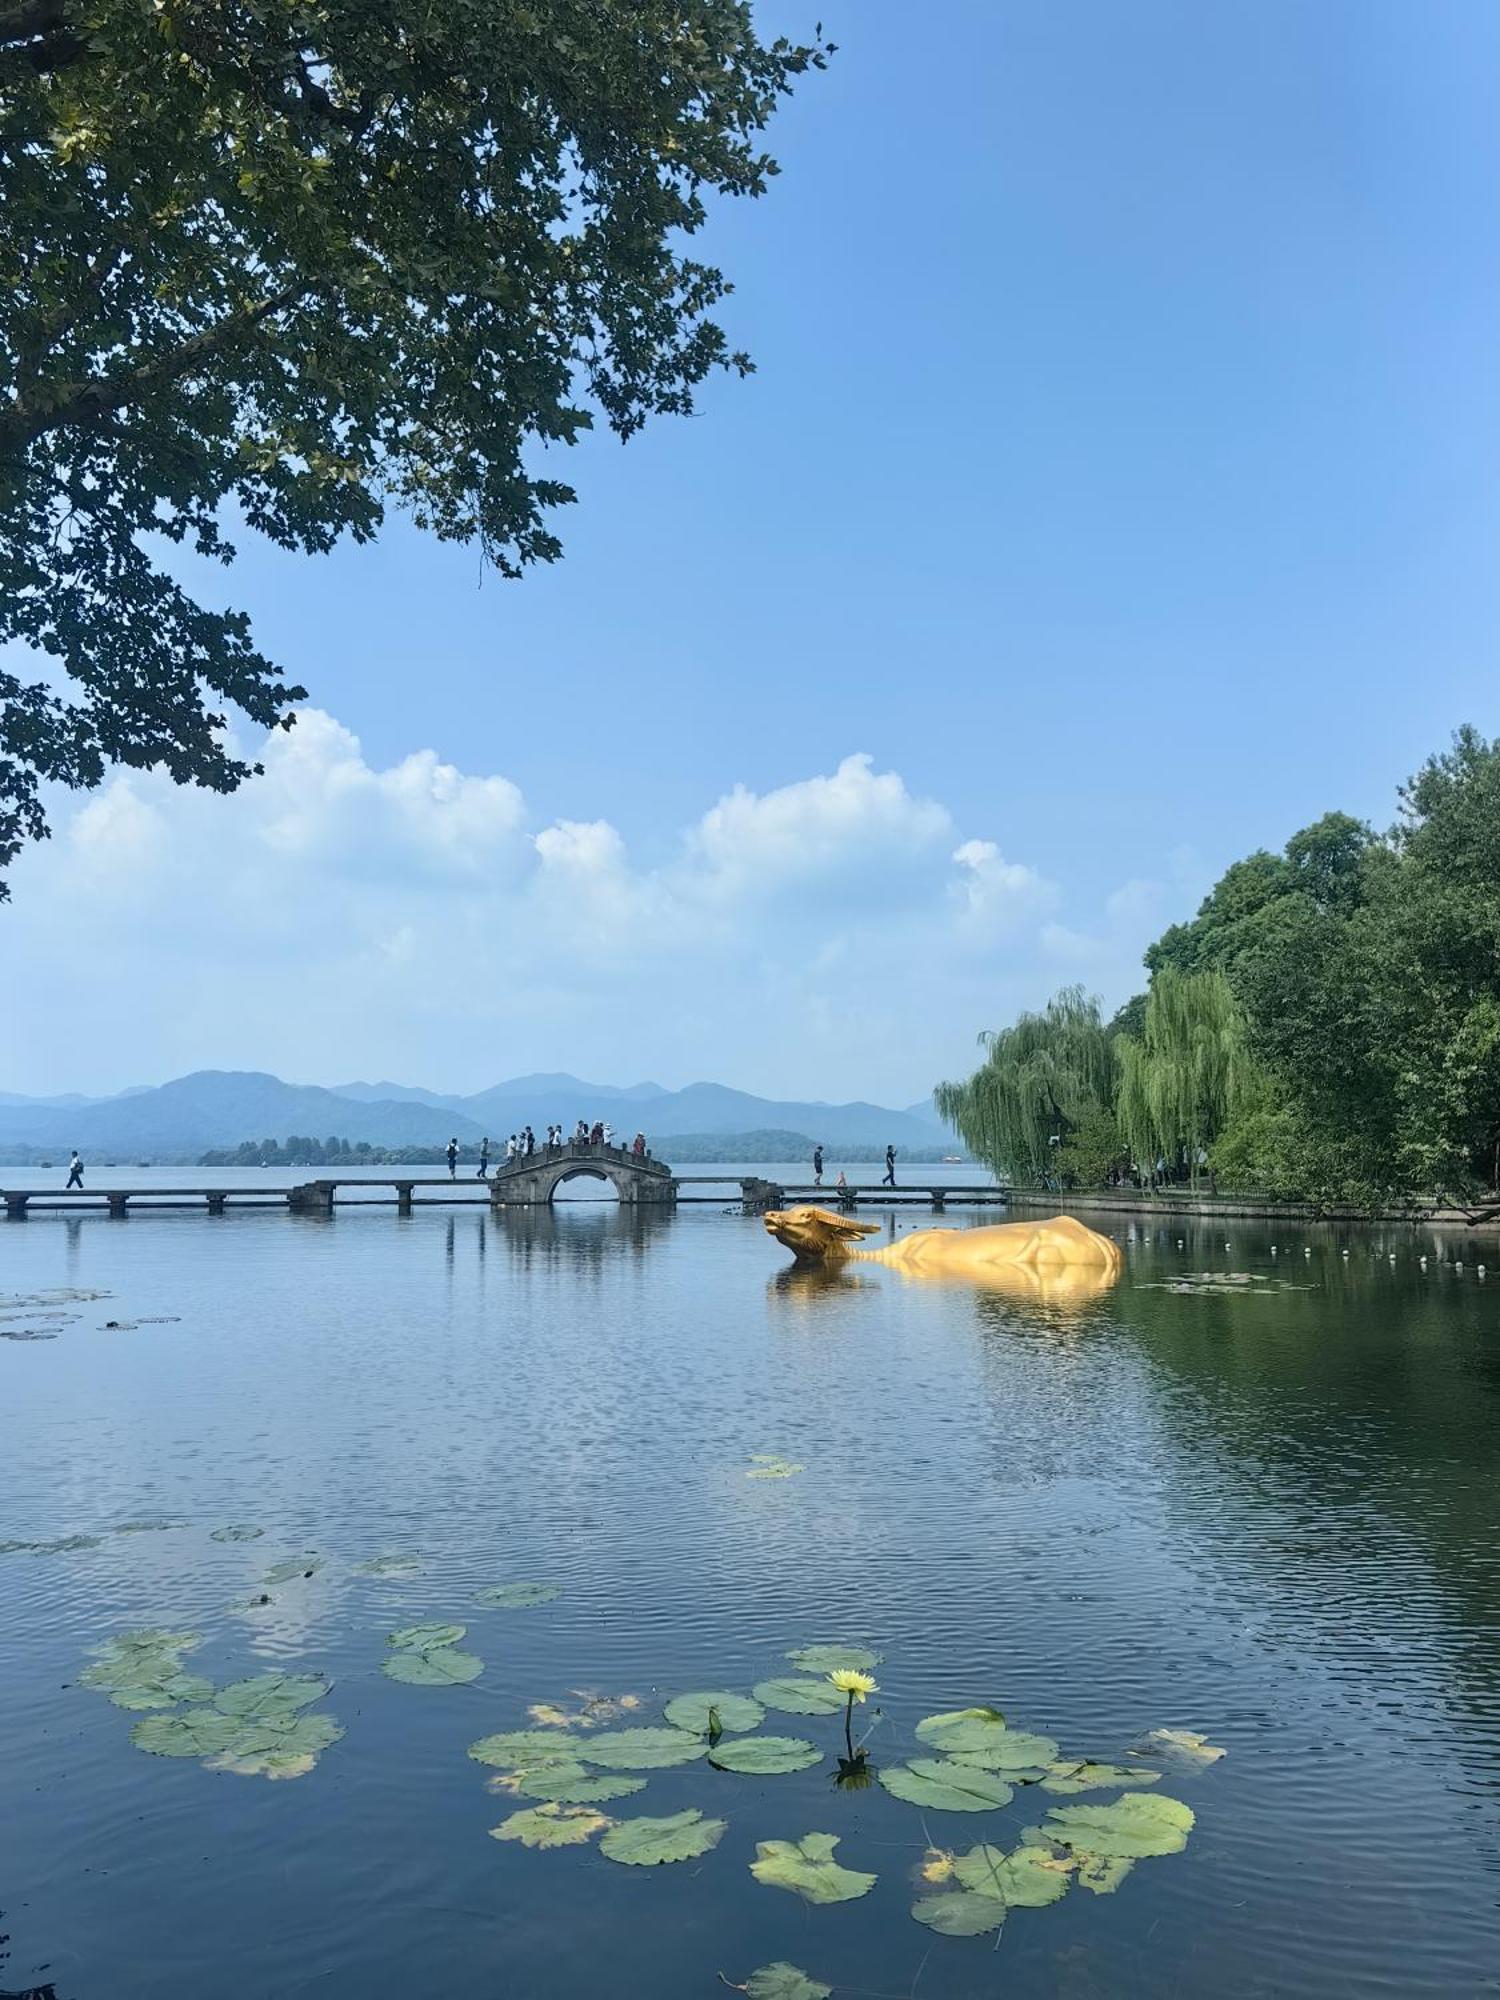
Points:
(834, 936)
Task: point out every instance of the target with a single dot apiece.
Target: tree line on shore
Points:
(686, 1149)
(1327, 1027)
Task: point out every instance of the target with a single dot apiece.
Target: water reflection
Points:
(586, 1235)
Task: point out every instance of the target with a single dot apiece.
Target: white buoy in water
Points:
(1480, 1269)
(1273, 1249)
(1345, 1253)
(1179, 1242)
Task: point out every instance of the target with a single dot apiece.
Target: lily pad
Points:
(293, 1567)
(165, 1693)
(422, 1638)
(551, 1826)
(280, 1747)
(389, 1566)
(784, 1982)
(516, 1749)
(238, 1531)
(943, 1785)
(1091, 1777)
(765, 1756)
(641, 1749)
(155, 1525)
(808, 1869)
(271, 1695)
(1102, 1874)
(713, 1714)
(571, 1785)
(958, 1913)
(1029, 1879)
(829, 1659)
(441, 1666)
(1012, 1750)
(1186, 1744)
(1137, 1824)
(799, 1697)
(645, 1843)
(517, 1596)
(192, 1732)
(963, 1729)
(763, 1465)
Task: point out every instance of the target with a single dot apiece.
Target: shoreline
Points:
(1200, 1208)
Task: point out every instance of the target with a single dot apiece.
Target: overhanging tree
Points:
(1044, 1078)
(300, 260)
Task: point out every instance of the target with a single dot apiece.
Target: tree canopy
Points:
(291, 262)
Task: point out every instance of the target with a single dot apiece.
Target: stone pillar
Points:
(117, 1203)
(15, 1207)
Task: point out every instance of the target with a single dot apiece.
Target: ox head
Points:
(817, 1235)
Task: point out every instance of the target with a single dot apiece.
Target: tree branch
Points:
(39, 32)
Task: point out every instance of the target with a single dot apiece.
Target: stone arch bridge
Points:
(533, 1179)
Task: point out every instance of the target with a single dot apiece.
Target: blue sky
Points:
(1118, 477)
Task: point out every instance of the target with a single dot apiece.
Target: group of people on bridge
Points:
(523, 1145)
(817, 1164)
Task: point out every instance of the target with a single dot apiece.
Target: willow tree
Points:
(1042, 1078)
(1188, 1073)
(283, 264)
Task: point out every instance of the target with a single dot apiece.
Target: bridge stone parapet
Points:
(532, 1179)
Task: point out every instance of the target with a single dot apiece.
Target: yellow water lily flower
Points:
(847, 1681)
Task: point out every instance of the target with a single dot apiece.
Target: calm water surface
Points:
(1268, 1513)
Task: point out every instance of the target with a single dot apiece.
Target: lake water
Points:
(1267, 1512)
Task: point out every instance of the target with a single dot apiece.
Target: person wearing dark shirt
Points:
(890, 1167)
(453, 1159)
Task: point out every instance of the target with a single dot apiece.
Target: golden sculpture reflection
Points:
(1052, 1259)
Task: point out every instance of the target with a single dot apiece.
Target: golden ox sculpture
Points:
(1051, 1258)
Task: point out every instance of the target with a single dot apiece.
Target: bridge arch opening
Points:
(588, 1187)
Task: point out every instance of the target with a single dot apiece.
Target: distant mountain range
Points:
(178, 1120)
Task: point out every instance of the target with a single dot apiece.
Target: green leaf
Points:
(958, 1913)
(164, 1693)
(150, 1639)
(1139, 1823)
(963, 1729)
(764, 1466)
(291, 1568)
(271, 1694)
(442, 1666)
(1029, 1879)
(711, 1714)
(945, 1786)
(640, 1749)
(281, 1746)
(1185, 1744)
(193, 1732)
(829, 1659)
(644, 1843)
(1010, 1750)
(422, 1638)
(1100, 1874)
(572, 1785)
(527, 1749)
(156, 1524)
(808, 1869)
(799, 1697)
(517, 1596)
(551, 1826)
(764, 1756)
(784, 1982)
(237, 1533)
(1091, 1777)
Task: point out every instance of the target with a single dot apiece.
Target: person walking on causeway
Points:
(453, 1159)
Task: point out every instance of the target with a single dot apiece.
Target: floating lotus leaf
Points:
(64, 1545)
(131, 1670)
(946, 1786)
(164, 1693)
(1139, 1823)
(1091, 1777)
(1029, 1879)
(271, 1694)
(1184, 1743)
(711, 1714)
(237, 1532)
(389, 1566)
(958, 1913)
(808, 1869)
(517, 1596)
(1011, 1750)
(192, 1732)
(798, 1697)
(286, 1746)
(442, 1666)
(644, 1843)
(154, 1639)
(963, 1729)
(784, 1982)
(829, 1659)
(155, 1525)
(765, 1756)
(294, 1566)
(528, 1749)
(1102, 1874)
(571, 1785)
(641, 1749)
(273, 1764)
(422, 1638)
(551, 1826)
(764, 1466)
